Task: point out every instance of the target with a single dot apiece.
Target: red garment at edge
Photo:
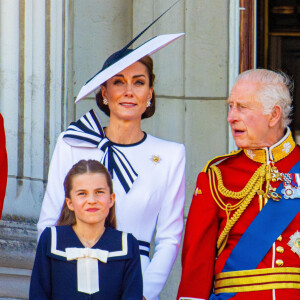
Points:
(206, 221)
(3, 164)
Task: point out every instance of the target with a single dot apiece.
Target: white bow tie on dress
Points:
(87, 267)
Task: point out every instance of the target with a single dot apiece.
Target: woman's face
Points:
(128, 92)
(90, 198)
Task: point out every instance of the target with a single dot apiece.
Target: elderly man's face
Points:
(249, 126)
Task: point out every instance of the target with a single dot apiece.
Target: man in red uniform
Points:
(3, 164)
(242, 239)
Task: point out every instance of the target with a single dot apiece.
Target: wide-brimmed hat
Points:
(125, 57)
(120, 61)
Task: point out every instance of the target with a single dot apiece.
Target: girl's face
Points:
(90, 198)
(128, 92)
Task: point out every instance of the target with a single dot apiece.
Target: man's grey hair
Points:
(274, 88)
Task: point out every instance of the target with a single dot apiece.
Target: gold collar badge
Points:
(278, 151)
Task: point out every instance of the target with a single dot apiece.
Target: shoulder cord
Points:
(253, 186)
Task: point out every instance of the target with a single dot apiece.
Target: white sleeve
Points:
(54, 198)
(169, 227)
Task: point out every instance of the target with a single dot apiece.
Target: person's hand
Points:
(144, 298)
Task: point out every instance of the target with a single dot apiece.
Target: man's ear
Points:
(275, 116)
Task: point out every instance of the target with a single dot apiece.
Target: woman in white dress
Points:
(148, 172)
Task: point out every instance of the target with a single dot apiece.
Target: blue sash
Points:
(261, 234)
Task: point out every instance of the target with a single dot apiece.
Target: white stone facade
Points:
(49, 48)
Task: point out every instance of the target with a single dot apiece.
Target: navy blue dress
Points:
(54, 277)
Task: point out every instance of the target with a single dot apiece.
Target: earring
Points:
(105, 101)
(148, 103)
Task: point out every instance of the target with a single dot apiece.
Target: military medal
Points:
(273, 175)
(272, 194)
(294, 242)
(291, 186)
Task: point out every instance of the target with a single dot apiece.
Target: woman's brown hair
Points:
(67, 217)
(149, 112)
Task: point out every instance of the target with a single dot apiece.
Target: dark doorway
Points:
(278, 45)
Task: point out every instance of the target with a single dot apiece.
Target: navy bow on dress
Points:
(88, 132)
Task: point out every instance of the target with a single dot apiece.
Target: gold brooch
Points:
(156, 159)
(294, 242)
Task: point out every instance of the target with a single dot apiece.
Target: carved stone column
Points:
(34, 37)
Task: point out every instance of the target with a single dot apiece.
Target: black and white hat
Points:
(125, 57)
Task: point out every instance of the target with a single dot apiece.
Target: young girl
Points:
(85, 257)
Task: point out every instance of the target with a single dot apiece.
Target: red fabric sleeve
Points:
(3, 164)
(199, 246)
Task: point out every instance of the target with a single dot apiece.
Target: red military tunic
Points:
(206, 221)
(3, 164)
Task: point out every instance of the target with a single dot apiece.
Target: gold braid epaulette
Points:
(219, 158)
(253, 186)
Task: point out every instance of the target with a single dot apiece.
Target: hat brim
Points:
(148, 48)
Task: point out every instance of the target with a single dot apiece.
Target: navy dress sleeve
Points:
(40, 283)
(132, 280)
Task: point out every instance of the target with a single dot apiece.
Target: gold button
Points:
(279, 262)
(280, 249)
(279, 238)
